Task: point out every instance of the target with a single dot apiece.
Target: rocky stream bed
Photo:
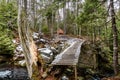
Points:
(10, 72)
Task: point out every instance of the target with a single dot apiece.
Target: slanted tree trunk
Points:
(34, 61)
(115, 39)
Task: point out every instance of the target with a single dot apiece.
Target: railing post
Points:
(75, 67)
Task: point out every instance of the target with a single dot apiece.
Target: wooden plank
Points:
(75, 72)
(70, 55)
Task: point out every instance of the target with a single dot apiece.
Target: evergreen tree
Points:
(8, 26)
(92, 18)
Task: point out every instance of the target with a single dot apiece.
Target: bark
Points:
(115, 39)
(52, 25)
(34, 61)
(64, 16)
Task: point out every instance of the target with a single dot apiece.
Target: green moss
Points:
(96, 56)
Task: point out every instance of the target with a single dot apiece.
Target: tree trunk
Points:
(52, 25)
(34, 61)
(115, 39)
(64, 16)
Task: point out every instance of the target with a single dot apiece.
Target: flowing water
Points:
(13, 73)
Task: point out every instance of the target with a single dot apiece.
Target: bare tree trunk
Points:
(64, 17)
(34, 61)
(115, 39)
(52, 25)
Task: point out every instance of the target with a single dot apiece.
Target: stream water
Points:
(20, 73)
(13, 73)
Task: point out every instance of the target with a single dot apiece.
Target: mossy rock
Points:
(95, 55)
(87, 56)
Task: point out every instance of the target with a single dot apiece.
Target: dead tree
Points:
(34, 61)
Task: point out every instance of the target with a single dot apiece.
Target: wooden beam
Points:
(75, 72)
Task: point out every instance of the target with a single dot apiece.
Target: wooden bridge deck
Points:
(70, 55)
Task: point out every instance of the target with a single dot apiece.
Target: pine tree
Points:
(8, 26)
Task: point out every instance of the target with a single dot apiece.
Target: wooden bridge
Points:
(70, 55)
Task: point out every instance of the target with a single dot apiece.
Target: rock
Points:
(18, 57)
(80, 78)
(22, 63)
(46, 54)
(44, 75)
(64, 77)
